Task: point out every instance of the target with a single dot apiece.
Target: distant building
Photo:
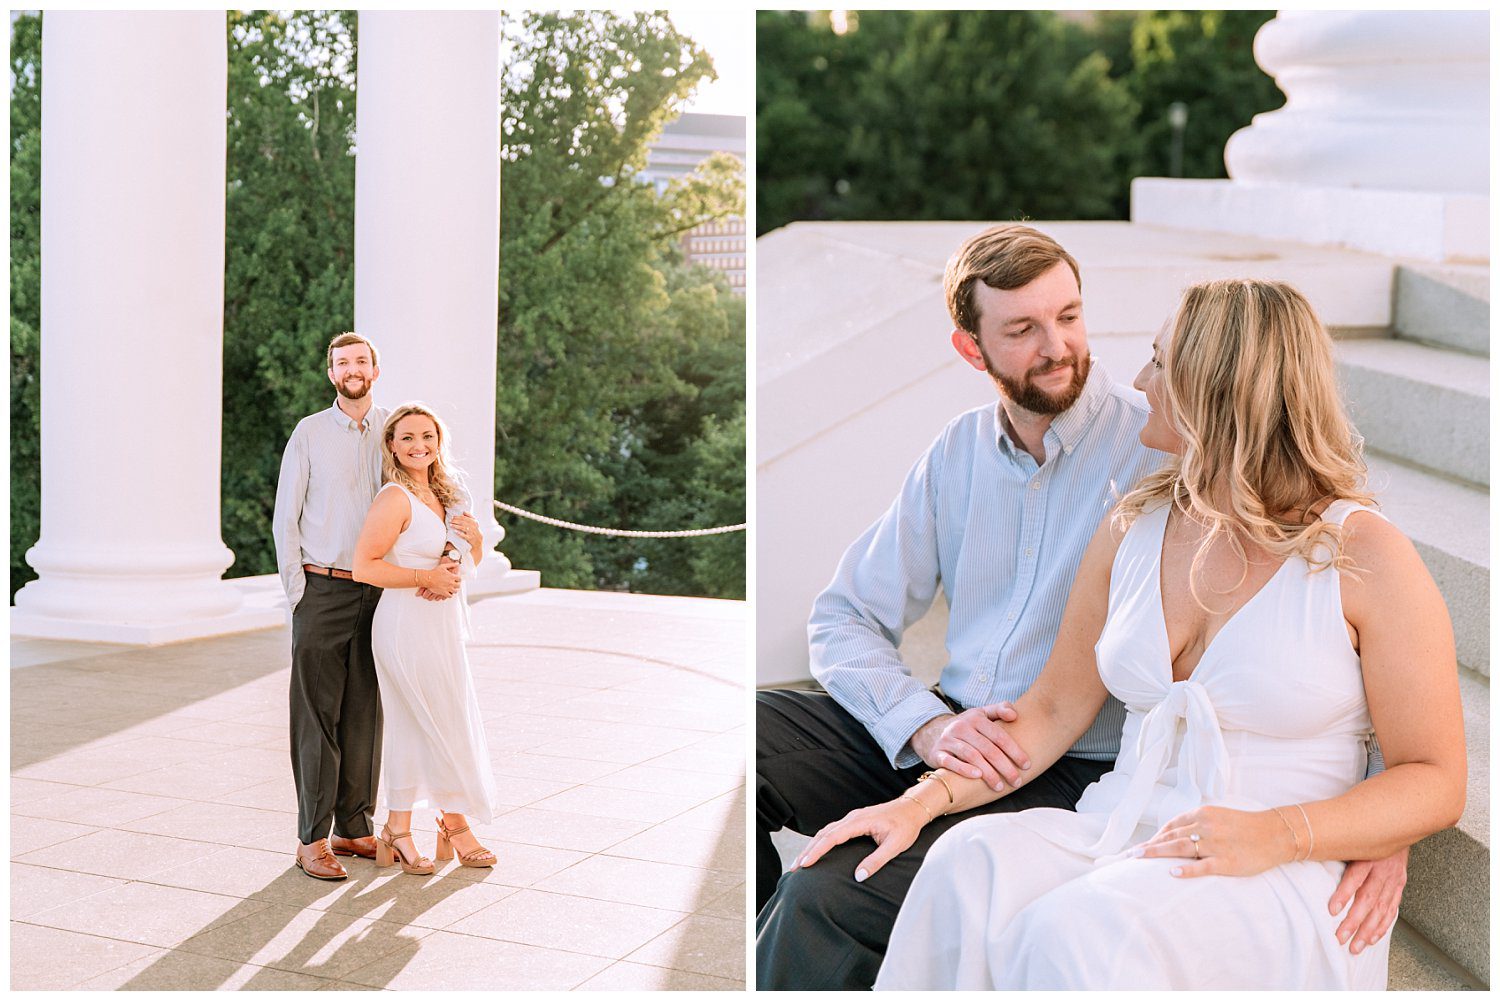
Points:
(683, 145)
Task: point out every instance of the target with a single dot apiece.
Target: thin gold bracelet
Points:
(1296, 841)
(923, 805)
(1309, 831)
(946, 787)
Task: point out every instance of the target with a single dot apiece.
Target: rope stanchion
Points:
(626, 533)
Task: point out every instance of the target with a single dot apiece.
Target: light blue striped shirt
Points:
(1003, 537)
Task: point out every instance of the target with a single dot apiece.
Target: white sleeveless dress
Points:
(434, 755)
(1273, 714)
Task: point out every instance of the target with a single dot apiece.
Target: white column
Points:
(132, 243)
(1393, 100)
(1382, 145)
(427, 233)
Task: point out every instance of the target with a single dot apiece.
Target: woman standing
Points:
(435, 752)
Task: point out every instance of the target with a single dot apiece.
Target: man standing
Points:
(998, 512)
(330, 473)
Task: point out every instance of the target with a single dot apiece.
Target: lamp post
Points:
(1177, 116)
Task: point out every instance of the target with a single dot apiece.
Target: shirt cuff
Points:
(1376, 761)
(894, 730)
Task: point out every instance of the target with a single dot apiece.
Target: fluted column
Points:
(427, 232)
(132, 241)
(1392, 100)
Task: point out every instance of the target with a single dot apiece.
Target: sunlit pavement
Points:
(153, 815)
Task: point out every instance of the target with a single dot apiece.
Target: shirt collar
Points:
(345, 421)
(1068, 427)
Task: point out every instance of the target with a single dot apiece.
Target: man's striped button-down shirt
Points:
(1003, 536)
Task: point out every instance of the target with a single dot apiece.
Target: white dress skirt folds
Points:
(1273, 714)
(435, 755)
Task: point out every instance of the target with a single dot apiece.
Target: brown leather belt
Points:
(326, 572)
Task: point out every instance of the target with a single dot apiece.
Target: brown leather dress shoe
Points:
(318, 862)
(363, 847)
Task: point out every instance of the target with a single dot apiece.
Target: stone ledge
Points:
(143, 634)
(1427, 226)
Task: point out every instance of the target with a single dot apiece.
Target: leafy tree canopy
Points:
(991, 114)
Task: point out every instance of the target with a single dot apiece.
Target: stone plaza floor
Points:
(153, 815)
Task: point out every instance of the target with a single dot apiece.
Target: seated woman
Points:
(1254, 615)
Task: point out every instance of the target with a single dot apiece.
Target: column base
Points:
(1423, 225)
(45, 627)
(512, 581)
(263, 607)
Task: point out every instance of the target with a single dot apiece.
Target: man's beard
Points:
(357, 394)
(1028, 395)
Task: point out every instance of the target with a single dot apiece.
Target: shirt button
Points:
(1011, 617)
(1030, 552)
(1036, 484)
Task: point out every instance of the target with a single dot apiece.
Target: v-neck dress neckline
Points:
(1161, 605)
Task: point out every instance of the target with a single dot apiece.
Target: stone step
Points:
(1449, 523)
(1417, 965)
(1442, 305)
(1447, 896)
(1426, 406)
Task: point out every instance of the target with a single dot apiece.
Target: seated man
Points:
(998, 511)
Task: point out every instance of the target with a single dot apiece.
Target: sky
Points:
(728, 35)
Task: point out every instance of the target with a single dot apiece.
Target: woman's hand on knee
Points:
(1216, 840)
(894, 826)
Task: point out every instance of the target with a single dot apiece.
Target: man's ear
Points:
(331, 378)
(967, 348)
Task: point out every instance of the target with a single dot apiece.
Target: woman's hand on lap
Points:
(893, 825)
(1230, 842)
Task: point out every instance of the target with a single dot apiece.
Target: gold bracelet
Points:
(1296, 841)
(946, 787)
(921, 804)
(416, 578)
(1309, 831)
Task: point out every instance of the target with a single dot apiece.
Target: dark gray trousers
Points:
(336, 723)
(817, 928)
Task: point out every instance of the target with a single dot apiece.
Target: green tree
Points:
(25, 292)
(807, 83)
(1205, 59)
(601, 326)
(943, 115)
(992, 114)
(289, 242)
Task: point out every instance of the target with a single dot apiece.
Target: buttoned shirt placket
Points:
(1033, 524)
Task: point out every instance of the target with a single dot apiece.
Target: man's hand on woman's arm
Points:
(974, 744)
(1053, 713)
(1376, 888)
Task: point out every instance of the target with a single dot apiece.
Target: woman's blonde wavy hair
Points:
(1249, 385)
(442, 478)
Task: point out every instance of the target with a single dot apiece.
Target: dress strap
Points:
(1340, 510)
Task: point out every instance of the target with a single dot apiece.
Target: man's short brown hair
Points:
(1003, 257)
(344, 340)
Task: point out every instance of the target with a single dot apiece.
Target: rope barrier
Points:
(627, 533)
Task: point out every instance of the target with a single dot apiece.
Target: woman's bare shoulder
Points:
(1386, 568)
